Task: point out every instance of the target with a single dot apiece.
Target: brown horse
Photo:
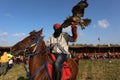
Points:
(35, 45)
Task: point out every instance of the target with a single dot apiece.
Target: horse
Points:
(34, 45)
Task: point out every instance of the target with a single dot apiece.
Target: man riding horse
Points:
(60, 39)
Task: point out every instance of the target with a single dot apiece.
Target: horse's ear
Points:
(32, 32)
(40, 31)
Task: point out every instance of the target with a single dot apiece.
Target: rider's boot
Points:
(58, 75)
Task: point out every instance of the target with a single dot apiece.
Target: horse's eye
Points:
(33, 38)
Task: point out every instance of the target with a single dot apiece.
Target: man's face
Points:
(57, 32)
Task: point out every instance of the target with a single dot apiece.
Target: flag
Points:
(99, 39)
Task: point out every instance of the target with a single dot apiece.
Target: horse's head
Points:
(30, 42)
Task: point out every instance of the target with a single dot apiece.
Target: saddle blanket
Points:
(66, 73)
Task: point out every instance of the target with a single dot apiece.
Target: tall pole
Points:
(99, 44)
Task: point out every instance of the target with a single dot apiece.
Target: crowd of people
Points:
(94, 56)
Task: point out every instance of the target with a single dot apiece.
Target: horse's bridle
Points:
(28, 53)
(36, 43)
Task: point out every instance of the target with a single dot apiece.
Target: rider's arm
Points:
(74, 31)
(74, 36)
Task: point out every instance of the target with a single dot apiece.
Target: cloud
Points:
(18, 34)
(2, 34)
(103, 23)
(3, 40)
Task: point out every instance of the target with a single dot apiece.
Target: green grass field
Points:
(88, 70)
(99, 70)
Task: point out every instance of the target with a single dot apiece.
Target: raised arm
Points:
(74, 31)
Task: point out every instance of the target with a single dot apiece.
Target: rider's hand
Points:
(52, 44)
(73, 25)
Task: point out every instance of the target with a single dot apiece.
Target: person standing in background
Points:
(10, 58)
(4, 63)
